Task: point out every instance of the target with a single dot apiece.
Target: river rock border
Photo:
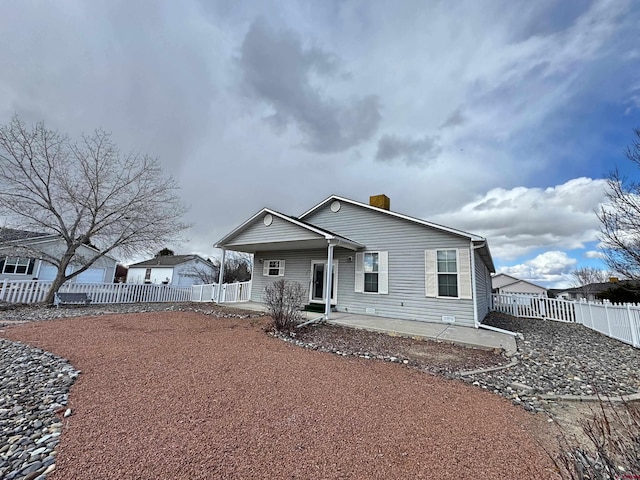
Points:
(33, 408)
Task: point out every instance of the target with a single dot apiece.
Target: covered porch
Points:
(286, 247)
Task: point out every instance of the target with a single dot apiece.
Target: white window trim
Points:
(266, 268)
(456, 273)
(383, 273)
(15, 265)
(431, 274)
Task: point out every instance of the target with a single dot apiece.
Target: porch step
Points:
(317, 307)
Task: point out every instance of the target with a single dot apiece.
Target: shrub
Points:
(613, 450)
(284, 301)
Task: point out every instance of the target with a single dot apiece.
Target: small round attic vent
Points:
(268, 219)
(335, 206)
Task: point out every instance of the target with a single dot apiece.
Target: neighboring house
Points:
(591, 291)
(508, 285)
(181, 270)
(381, 262)
(21, 258)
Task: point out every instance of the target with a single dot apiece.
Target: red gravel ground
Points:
(181, 395)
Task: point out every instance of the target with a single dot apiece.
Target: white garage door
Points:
(48, 273)
(93, 275)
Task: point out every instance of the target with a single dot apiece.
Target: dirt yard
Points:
(184, 395)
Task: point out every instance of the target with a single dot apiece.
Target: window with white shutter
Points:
(448, 273)
(273, 268)
(372, 272)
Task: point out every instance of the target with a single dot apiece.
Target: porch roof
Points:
(313, 236)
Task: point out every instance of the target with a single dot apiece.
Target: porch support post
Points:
(329, 270)
(221, 276)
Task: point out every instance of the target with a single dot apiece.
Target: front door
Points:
(318, 281)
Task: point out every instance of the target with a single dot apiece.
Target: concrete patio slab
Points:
(442, 332)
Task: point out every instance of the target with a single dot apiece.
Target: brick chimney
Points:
(380, 201)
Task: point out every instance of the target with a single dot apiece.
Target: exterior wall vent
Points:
(449, 319)
(370, 311)
(380, 201)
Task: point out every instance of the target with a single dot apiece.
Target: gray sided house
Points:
(381, 262)
(22, 256)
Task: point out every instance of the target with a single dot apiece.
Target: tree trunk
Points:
(58, 281)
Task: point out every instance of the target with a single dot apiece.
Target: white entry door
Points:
(318, 289)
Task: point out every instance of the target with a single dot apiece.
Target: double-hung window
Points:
(371, 270)
(273, 268)
(447, 273)
(17, 265)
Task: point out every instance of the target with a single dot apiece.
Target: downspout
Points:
(476, 323)
(221, 276)
(475, 298)
(328, 282)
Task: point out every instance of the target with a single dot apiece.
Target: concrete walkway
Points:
(442, 332)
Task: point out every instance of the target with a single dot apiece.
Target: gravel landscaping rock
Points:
(557, 359)
(11, 314)
(180, 395)
(554, 359)
(34, 385)
(33, 395)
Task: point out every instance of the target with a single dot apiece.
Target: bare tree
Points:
(585, 277)
(620, 219)
(88, 193)
(237, 267)
(204, 276)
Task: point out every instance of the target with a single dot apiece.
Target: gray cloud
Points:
(455, 119)
(419, 151)
(280, 71)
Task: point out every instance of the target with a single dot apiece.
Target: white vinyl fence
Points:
(231, 292)
(100, 293)
(621, 322)
(529, 306)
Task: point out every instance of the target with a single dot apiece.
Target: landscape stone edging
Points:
(465, 373)
(593, 398)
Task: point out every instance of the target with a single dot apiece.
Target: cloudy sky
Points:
(497, 117)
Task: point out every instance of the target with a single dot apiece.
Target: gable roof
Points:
(425, 223)
(340, 240)
(481, 242)
(515, 281)
(167, 261)
(13, 235)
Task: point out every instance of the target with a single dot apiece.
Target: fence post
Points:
(3, 289)
(606, 313)
(634, 334)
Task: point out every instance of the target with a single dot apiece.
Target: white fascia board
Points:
(471, 236)
(286, 218)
